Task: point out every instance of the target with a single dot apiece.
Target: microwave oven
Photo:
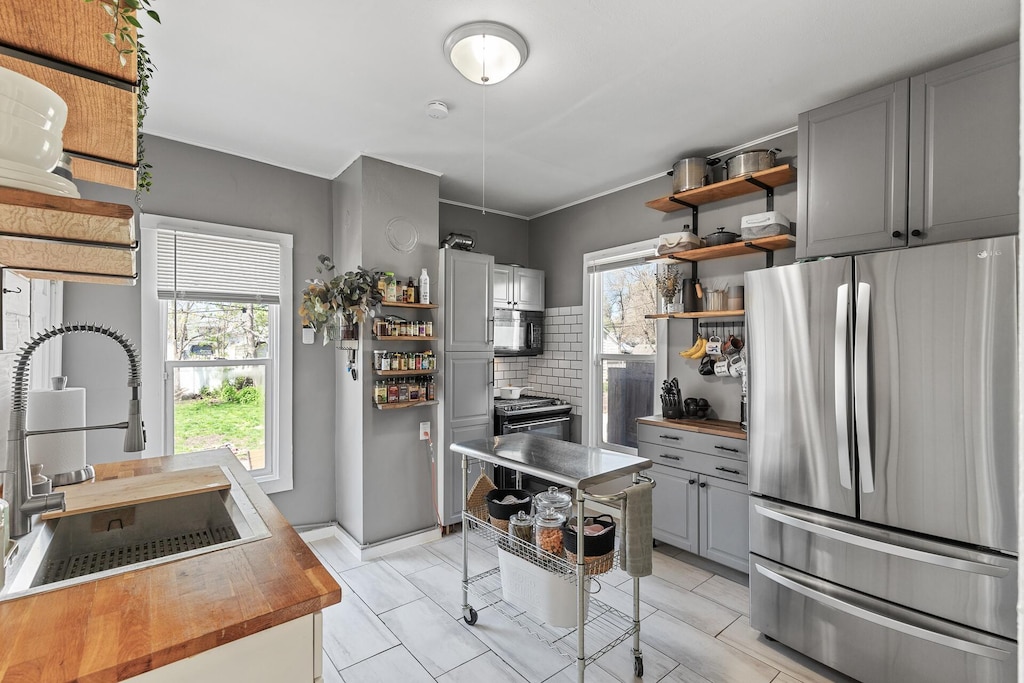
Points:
(518, 333)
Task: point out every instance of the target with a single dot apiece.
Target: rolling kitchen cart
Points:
(579, 468)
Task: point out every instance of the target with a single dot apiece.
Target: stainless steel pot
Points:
(691, 173)
(750, 162)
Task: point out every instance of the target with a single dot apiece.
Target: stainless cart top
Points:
(562, 462)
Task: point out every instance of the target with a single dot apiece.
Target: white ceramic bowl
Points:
(15, 108)
(27, 143)
(21, 185)
(27, 174)
(33, 95)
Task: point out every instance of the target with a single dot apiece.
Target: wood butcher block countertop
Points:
(733, 430)
(124, 625)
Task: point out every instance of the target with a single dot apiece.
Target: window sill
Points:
(271, 483)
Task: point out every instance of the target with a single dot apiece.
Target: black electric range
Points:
(539, 415)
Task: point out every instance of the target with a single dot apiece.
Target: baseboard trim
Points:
(373, 550)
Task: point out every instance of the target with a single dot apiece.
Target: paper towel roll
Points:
(57, 453)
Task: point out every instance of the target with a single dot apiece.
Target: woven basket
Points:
(594, 565)
(499, 523)
(478, 494)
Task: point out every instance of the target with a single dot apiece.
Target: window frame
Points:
(627, 254)
(278, 476)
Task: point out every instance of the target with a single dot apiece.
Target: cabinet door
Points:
(452, 509)
(724, 522)
(675, 507)
(504, 288)
(964, 149)
(852, 178)
(529, 289)
(468, 315)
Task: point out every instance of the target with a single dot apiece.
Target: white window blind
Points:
(203, 267)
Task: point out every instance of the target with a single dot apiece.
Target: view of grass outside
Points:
(229, 417)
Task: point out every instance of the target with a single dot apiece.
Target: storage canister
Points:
(553, 499)
(548, 531)
(520, 526)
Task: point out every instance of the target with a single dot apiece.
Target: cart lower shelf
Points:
(605, 626)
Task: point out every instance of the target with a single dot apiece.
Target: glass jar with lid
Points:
(548, 531)
(553, 499)
(520, 526)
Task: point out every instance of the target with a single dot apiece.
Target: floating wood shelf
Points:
(758, 246)
(699, 314)
(419, 338)
(403, 373)
(404, 404)
(60, 238)
(727, 189)
(399, 304)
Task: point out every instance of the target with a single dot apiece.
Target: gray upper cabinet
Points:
(929, 159)
(852, 177)
(518, 288)
(964, 149)
(468, 314)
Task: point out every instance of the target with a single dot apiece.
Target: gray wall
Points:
(199, 184)
(504, 237)
(397, 495)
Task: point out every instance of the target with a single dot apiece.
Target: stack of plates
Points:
(32, 119)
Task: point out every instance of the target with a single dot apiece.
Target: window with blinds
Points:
(202, 267)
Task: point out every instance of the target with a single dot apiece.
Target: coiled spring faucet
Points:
(17, 484)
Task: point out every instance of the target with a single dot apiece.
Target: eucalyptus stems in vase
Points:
(336, 305)
(669, 282)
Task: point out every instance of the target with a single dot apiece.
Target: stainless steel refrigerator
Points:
(883, 461)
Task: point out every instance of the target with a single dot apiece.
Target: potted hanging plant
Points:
(669, 280)
(336, 305)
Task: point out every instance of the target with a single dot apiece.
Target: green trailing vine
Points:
(125, 15)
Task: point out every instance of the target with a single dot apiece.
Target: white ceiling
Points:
(613, 92)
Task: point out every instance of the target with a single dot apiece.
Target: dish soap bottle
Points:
(424, 287)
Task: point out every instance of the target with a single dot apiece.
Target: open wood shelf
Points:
(403, 373)
(758, 246)
(404, 404)
(419, 338)
(399, 304)
(727, 189)
(699, 314)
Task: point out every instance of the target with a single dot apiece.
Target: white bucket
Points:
(545, 595)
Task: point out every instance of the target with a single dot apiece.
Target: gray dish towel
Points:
(636, 524)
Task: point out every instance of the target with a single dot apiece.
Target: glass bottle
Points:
(548, 532)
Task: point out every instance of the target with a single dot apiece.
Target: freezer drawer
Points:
(870, 639)
(971, 587)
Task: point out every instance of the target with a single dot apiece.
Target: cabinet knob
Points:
(692, 482)
(897, 234)
(702, 484)
(917, 233)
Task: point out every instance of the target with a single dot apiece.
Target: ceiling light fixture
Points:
(486, 52)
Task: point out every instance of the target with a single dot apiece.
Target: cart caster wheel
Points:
(638, 667)
(469, 615)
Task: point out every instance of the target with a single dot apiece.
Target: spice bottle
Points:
(410, 291)
(391, 293)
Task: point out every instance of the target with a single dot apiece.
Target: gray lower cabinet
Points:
(929, 159)
(467, 414)
(700, 497)
(964, 141)
(724, 522)
(452, 509)
(675, 507)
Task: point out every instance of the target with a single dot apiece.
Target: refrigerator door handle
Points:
(882, 546)
(883, 620)
(842, 410)
(860, 378)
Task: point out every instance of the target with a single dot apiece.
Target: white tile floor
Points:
(400, 620)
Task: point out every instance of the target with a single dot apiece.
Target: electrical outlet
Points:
(424, 431)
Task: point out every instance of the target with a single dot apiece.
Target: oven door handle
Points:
(517, 426)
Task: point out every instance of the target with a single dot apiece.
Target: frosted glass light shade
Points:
(486, 52)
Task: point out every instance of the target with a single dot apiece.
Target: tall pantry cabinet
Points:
(467, 392)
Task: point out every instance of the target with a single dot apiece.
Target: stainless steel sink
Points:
(90, 546)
